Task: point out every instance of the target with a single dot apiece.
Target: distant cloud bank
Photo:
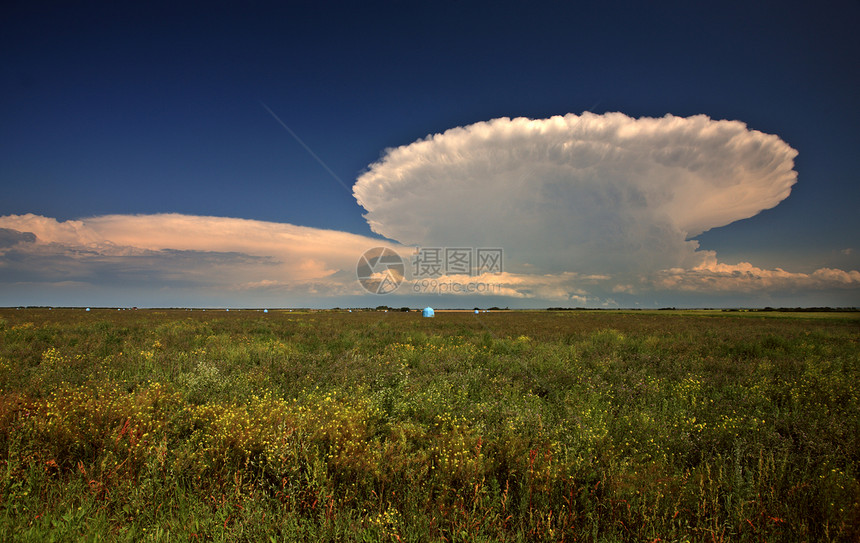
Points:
(170, 251)
(589, 210)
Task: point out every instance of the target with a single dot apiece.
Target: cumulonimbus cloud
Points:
(586, 193)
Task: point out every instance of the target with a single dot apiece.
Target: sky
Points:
(621, 154)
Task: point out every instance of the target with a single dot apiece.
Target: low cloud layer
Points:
(180, 259)
(590, 193)
(181, 251)
(714, 277)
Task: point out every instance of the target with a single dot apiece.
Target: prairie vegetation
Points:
(370, 426)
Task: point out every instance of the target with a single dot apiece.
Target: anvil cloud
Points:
(589, 193)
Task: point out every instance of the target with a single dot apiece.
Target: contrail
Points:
(303, 144)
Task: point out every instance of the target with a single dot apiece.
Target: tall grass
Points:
(525, 426)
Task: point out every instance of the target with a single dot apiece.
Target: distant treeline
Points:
(800, 309)
(763, 309)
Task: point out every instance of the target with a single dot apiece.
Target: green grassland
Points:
(371, 426)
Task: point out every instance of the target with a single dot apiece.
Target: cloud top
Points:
(588, 193)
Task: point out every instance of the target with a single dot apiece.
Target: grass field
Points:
(370, 426)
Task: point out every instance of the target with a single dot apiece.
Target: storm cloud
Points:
(586, 193)
(10, 237)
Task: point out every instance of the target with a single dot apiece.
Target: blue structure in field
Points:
(428, 312)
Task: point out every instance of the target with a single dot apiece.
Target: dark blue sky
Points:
(127, 108)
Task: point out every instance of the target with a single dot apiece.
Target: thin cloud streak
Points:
(306, 147)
